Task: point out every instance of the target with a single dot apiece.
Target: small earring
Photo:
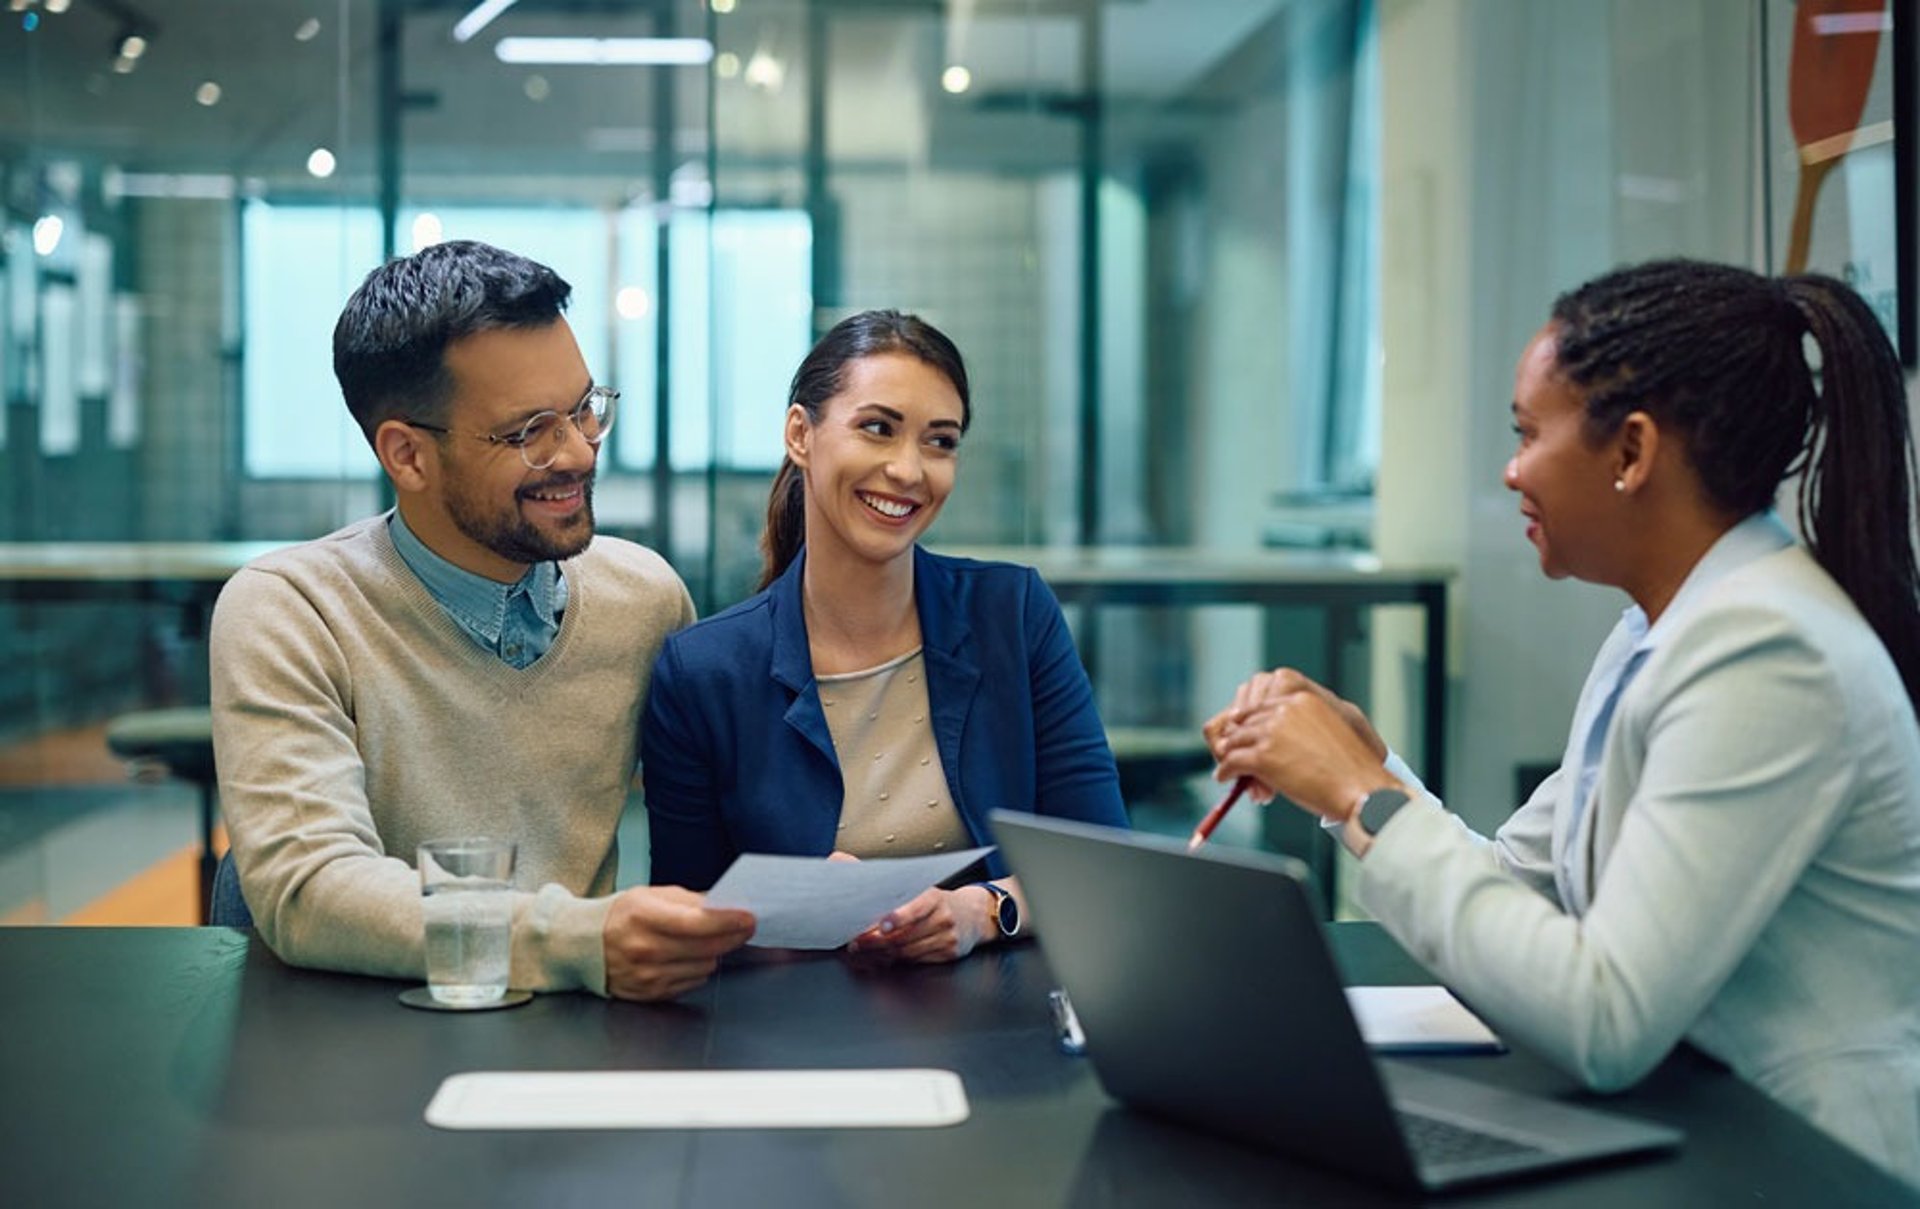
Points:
(1619, 484)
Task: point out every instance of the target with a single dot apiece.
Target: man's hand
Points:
(663, 941)
(939, 925)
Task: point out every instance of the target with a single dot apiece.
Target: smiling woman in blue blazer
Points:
(873, 699)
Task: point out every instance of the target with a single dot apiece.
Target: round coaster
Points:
(422, 997)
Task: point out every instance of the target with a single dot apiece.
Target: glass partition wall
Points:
(1092, 199)
(1152, 226)
(132, 136)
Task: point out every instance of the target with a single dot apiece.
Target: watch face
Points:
(1381, 805)
(1006, 913)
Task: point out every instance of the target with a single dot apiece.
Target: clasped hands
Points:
(1293, 737)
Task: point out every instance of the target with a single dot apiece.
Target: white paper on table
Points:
(810, 902)
(1415, 1019)
(699, 1099)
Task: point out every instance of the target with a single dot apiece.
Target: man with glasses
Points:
(471, 663)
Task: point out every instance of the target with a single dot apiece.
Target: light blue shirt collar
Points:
(1759, 535)
(515, 621)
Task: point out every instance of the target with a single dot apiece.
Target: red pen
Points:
(1219, 812)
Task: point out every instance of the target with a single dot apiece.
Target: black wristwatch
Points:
(1006, 910)
(1379, 806)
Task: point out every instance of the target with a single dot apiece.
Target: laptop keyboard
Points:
(1435, 1141)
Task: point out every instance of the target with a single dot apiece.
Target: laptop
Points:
(1207, 994)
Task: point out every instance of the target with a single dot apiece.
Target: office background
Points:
(1230, 275)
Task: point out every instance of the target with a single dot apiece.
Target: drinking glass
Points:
(468, 905)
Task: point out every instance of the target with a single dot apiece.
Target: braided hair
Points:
(822, 375)
(1718, 354)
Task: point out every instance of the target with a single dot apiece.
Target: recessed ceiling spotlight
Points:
(764, 72)
(632, 302)
(132, 46)
(124, 66)
(427, 231)
(537, 88)
(726, 65)
(58, 6)
(956, 79)
(321, 163)
(308, 30)
(46, 234)
(207, 94)
(722, 6)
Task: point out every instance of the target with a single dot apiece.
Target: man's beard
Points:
(510, 535)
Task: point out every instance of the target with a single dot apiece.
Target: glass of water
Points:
(468, 904)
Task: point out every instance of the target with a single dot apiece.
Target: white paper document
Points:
(810, 902)
(699, 1099)
(1416, 1019)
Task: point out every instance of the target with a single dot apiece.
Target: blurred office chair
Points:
(179, 743)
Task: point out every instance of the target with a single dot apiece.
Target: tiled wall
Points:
(190, 436)
(962, 250)
(72, 662)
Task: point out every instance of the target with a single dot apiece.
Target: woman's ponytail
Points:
(1856, 501)
(786, 529)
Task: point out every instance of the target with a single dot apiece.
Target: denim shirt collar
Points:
(477, 603)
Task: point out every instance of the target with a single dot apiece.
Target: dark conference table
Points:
(188, 1066)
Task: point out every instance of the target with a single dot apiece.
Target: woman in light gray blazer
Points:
(1729, 853)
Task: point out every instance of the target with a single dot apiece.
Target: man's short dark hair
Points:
(390, 342)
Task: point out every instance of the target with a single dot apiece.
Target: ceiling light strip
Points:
(605, 52)
(479, 18)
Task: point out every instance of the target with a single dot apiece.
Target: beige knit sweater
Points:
(352, 719)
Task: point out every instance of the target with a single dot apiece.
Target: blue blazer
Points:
(737, 756)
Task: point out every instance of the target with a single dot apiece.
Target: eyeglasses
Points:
(540, 438)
